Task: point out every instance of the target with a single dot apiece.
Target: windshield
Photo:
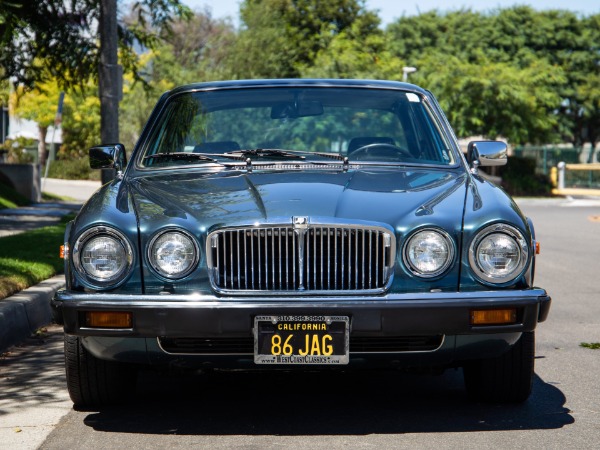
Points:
(305, 124)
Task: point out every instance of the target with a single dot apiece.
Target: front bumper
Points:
(389, 315)
(446, 315)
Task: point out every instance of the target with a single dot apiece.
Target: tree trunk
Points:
(43, 131)
(108, 78)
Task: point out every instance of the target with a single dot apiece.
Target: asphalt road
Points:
(357, 410)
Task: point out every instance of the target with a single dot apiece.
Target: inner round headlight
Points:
(103, 256)
(173, 254)
(498, 253)
(428, 253)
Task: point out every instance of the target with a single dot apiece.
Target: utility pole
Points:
(109, 79)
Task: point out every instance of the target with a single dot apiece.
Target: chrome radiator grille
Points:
(301, 259)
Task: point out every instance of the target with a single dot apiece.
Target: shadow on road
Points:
(290, 404)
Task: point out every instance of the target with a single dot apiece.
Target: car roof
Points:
(299, 82)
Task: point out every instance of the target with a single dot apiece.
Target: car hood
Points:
(398, 197)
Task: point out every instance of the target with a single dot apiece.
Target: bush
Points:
(19, 150)
(519, 178)
(73, 169)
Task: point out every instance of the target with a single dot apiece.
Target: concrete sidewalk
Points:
(36, 215)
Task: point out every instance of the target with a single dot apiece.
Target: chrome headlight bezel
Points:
(413, 269)
(504, 230)
(88, 278)
(156, 267)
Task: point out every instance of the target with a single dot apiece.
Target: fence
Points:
(564, 166)
(581, 179)
(548, 157)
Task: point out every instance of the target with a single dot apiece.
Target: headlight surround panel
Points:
(499, 254)
(173, 253)
(103, 257)
(428, 252)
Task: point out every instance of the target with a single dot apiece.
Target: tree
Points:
(139, 100)
(280, 37)
(495, 99)
(54, 39)
(81, 122)
(570, 44)
(515, 41)
(57, 39)
(360, 51)
(195, 50)
(38, 105)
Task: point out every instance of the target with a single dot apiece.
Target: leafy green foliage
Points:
(528, 76)
(38, 105)
(81, 123)
(195, 50)
(494, 99)
(18, 151)
(359, 51)
(54, 39)
(73, 169)
(550, 56)
(519, 178)
(280, 37)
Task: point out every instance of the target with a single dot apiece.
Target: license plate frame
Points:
(315, 340)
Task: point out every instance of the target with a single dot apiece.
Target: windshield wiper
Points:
(182, 155)
(329, 155)
(265, 152)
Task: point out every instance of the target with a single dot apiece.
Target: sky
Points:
(389, 10)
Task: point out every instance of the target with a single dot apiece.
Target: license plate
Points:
(301, 340)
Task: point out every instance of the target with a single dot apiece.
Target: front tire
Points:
(505, 379)
(95, 382)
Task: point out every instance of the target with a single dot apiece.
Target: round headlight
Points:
(103, 256)
(498, 253)
(173, 254)
(428, 253)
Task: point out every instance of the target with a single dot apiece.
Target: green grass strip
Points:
(30, 257)
(592, 345)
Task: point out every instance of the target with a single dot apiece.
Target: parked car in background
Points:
(299, 224)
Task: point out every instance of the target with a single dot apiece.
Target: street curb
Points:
(26, 311)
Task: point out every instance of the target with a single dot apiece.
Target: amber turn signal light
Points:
(62, 252)
(112, 319)
(537, 248)
(493, 316)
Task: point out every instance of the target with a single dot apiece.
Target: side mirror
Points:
(108, 157)
(486, 153)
